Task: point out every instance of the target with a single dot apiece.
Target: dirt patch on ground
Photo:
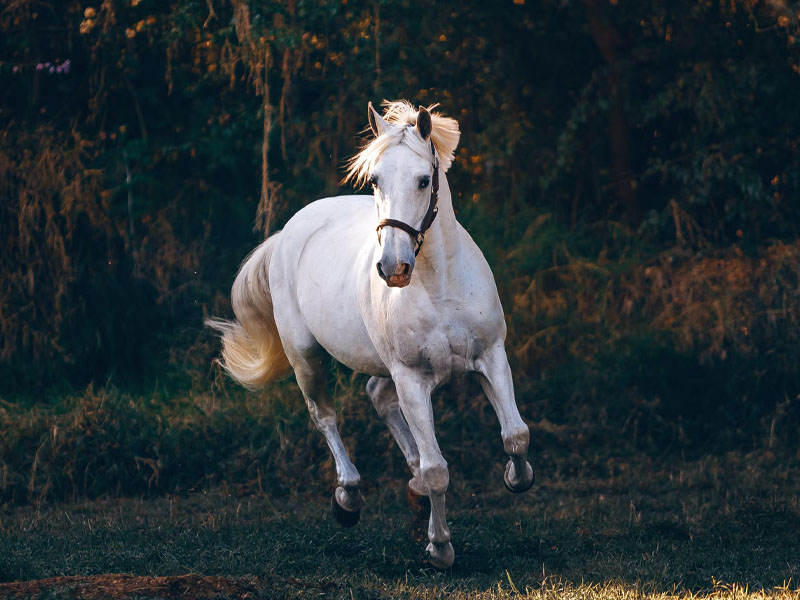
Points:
(119, 586)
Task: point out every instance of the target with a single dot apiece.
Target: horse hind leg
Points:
(311, 377)
(383, 395)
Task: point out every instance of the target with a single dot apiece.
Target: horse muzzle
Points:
(397, 274)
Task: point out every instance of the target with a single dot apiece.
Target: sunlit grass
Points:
(553, 588)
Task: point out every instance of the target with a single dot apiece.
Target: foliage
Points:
(631, 172)
(623, 406)
(108, 443)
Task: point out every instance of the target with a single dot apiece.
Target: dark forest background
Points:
(631, 171)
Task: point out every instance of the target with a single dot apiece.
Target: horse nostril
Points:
(380, 271)
(406, 269)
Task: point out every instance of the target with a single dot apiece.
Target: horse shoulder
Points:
(479, 302)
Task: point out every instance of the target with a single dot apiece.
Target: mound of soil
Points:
(119, 586)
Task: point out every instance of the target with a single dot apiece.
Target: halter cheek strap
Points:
(418, 235)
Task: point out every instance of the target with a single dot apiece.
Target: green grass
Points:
(716, 527)
(223, 483)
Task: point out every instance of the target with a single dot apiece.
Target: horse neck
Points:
(442, 242)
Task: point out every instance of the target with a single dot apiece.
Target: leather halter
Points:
(418, 235)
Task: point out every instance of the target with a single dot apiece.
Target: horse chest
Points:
(443, 341)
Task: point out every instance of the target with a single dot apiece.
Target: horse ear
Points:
(424, 124)
(376, 122)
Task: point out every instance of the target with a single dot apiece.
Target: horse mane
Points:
(399, 115)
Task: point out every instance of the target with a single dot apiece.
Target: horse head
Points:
(402, 164)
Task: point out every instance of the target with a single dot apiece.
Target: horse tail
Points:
(252, 352)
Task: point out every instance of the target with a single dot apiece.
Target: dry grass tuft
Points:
(199, 587)
(53, 199)
(713, 305)
(86, 281)
(552, 588)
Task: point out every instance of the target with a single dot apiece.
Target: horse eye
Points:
(373, 181)
(423, 183)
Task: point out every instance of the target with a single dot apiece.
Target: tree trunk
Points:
(607, 39)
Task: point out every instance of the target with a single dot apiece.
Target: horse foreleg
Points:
(415, 402)
(495, 377)
(320, 405)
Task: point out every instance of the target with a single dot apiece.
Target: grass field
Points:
(724, 527)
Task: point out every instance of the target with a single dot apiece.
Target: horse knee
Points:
(516, 441)
(435, 477)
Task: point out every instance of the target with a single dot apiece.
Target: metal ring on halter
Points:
(418, 235)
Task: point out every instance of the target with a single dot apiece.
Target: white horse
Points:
(409, 314)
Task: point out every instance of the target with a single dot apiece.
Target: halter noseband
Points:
(418, 235)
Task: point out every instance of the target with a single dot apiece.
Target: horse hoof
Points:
(419, 504)
(441, 556)
(345, 518)
(521, 485)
